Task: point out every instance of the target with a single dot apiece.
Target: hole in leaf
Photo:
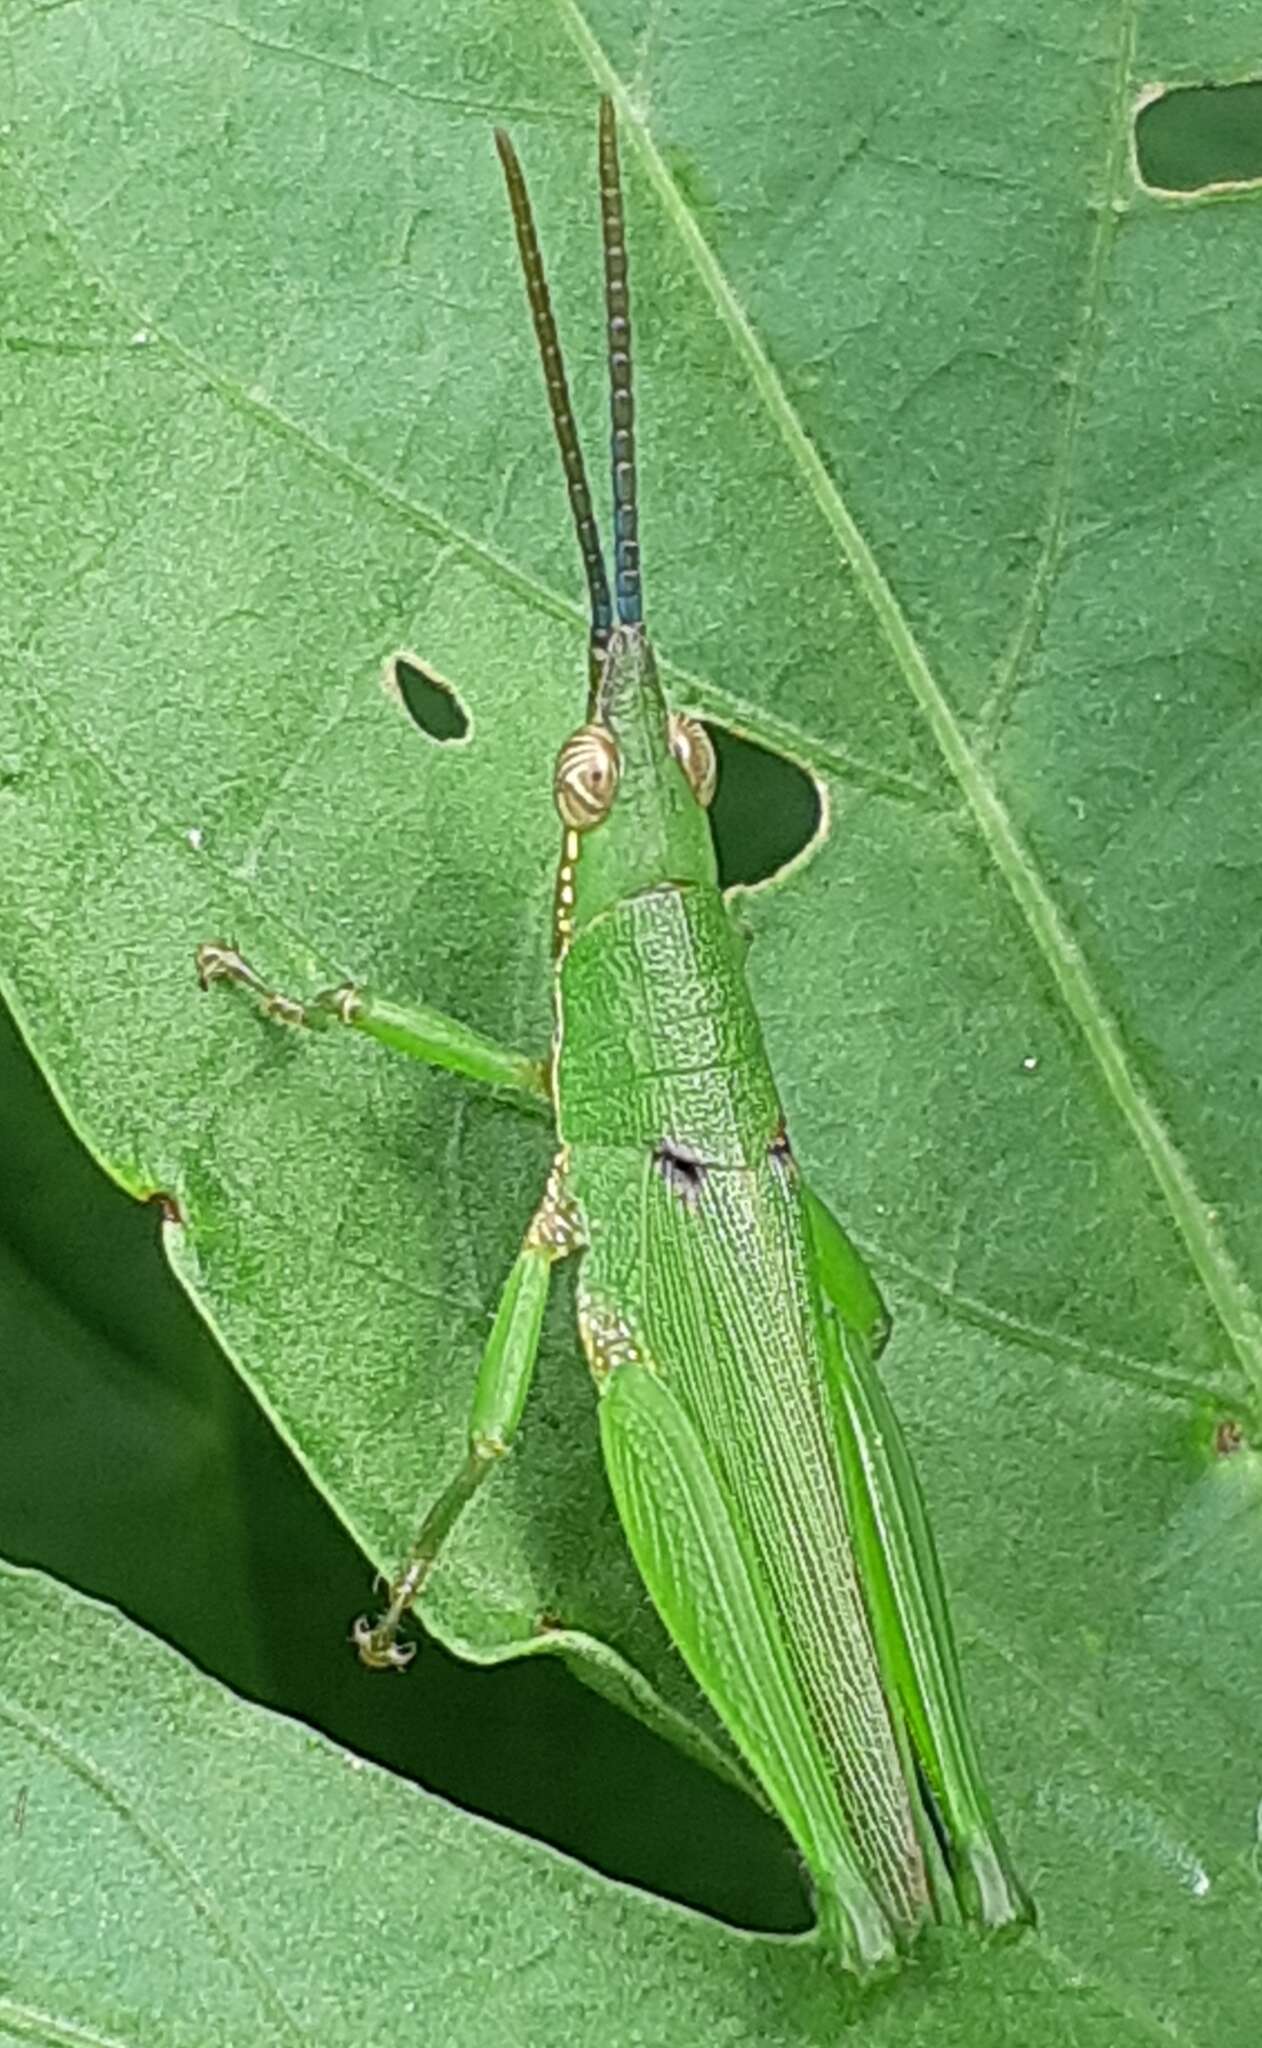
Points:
(430, 702)
(765, 809)
(1199, 136)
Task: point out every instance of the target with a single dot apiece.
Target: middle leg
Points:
(425, 1034)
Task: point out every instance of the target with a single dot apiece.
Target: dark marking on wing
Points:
(780, 1153)
(682, 1171)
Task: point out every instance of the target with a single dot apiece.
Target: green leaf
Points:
(250, 1881)
(946, 495)
(181, 1868)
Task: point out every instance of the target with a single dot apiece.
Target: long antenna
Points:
(559, 399)
(626, 504)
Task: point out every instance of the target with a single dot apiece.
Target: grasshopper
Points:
(730, 1326)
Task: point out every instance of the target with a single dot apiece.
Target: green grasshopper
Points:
(730, 1326)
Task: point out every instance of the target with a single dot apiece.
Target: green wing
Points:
(696, 1559)
(717, 1283)
(907, 1600)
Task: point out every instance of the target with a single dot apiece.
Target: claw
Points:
(378, 1646)
(214, 961)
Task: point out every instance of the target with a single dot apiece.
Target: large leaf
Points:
(181, 1868)
(945, 494)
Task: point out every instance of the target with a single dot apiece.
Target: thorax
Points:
(657, 1040)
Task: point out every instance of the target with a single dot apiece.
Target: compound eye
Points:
(586, 779)
(693, 748)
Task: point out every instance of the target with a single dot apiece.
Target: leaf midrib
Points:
(1226, 1287)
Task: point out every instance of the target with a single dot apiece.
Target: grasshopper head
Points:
(633, 785)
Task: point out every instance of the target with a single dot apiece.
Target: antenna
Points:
(559, 395)
(626, 505)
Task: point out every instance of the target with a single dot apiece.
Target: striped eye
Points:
(693, 748)
(586, 779)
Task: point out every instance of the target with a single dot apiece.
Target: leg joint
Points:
(556, 1226)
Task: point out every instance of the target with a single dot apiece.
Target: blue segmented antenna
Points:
(559, 400)
(626, 504)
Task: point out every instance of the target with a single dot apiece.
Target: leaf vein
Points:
(1106, 1362)
(231, 1940)
(321, 59)
(29, 2023)
(1007, 682)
